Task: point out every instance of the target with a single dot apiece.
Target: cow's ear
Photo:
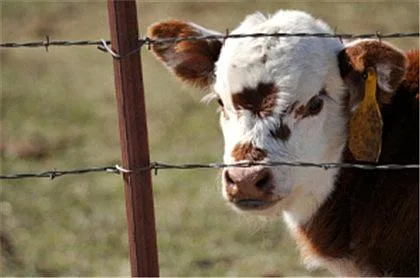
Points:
(372, 71)
(388, 62)
(192, 61)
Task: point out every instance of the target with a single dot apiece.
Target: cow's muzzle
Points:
(250, 188)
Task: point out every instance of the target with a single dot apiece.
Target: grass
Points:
(58, 111)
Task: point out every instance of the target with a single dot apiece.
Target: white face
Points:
(282, 100)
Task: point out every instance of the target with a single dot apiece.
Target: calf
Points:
(315, 100)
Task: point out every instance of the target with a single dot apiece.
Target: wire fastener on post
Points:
(105, 47)
(121, 169)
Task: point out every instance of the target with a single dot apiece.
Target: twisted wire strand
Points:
(48, 43)
(104, 44)
(166, 166)
(146, 40)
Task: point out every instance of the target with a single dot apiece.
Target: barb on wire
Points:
(158, 166)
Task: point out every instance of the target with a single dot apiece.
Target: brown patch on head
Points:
(191, 61)
(247, 151)
(260, 101)
(282, 132)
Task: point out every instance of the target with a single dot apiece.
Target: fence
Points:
(136, 165)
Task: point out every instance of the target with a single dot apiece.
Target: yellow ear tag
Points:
(365, 134)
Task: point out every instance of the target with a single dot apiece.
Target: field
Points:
(58, 112)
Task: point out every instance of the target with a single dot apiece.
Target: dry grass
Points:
(58, 111)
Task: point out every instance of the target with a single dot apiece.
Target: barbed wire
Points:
(57, 173)
(377, 35)
(103, 44)
(48, 42)
(161, 166)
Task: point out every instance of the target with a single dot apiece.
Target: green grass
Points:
(58, 111)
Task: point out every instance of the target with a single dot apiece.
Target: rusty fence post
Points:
(134, 139)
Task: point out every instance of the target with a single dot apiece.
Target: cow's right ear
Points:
(192, 61)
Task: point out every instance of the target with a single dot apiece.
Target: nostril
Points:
(228, 179)
(264, 182)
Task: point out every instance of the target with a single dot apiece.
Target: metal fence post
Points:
(134, 139)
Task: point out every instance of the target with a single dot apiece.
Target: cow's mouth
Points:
(255, 204)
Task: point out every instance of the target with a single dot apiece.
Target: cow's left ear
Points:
(372, 71)
(388, 62)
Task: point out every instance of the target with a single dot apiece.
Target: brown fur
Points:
(282, 132)
(299, 111)
(305, 110)
(355, 59)
(412, 75)
(260, 101)
(191, 61)
(371, 217)
(248, 152)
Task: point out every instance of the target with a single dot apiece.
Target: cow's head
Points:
(281, 99)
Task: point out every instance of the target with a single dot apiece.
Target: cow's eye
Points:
(315, 105)
(220, 102)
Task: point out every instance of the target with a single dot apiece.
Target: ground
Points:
(58, 112)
